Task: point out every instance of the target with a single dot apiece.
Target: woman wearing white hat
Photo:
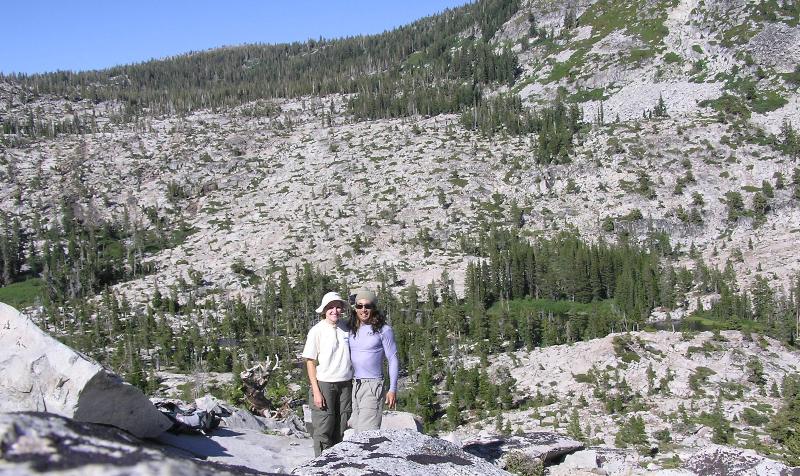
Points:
(327, 354)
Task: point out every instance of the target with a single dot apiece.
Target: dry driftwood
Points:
(255, 380)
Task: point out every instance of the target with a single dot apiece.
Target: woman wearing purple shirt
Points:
(371, 341)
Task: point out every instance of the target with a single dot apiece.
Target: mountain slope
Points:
(139, 203)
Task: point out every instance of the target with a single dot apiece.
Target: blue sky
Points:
(50, 35)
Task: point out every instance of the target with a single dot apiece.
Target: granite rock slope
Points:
(396, 452)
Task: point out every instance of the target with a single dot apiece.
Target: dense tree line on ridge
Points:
(414, 59)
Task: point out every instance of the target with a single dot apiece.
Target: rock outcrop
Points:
(35, 443)
(400, 452)
(253, 449)
(43, 375)
(394, 420)
(542, 445)
(717, 460)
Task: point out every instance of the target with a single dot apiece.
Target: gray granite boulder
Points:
(394, 420)
(37, 443)
(41, 374)
(586, 459)
(543, 445)
(717, 460)
(397, 452)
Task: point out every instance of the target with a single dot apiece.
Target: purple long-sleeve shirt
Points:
(367, 351)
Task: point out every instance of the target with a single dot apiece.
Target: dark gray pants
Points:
(331, 422)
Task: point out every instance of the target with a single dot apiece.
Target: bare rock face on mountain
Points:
(35, 443)
(778, 45)
(397, 452)
(42, 374)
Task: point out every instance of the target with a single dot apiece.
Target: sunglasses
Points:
(365, 306)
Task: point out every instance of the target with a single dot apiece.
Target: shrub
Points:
(663, 436)
(753, 417)
(768, 101)
(517, 462)
(632, 433)
(698, 378)
(622, 348)
(728, 105)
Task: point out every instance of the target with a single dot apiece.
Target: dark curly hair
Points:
(376, 319)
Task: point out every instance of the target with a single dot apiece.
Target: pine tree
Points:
(574, 426)
(722, 430)
(425, 399)
(453, 412)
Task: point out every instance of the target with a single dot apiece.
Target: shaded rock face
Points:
(543, 445)
(397, 452)
(34, 443)
(42, 374)
(725, 461)
(255, 450)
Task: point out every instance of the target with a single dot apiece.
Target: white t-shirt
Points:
(330, 346)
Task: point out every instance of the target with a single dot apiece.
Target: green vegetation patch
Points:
(585, 95)
(22, 294)
(153, 242)
(638, 18)
(563, 70)
(767, 101)
(640, 55)
(737, 35)
(700, 378)
(728, 105)
(704, 321)
(551, 306)
(458, 181)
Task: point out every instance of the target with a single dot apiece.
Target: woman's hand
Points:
(319, 400)
(311, 367)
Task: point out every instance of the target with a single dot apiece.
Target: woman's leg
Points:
(345, 407)
(323, 419)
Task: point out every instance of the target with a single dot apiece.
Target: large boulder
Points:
(394, 420)
(397, 452)
(542, 445)
(43, 375)
(716, 460)
(37, 443)
(604, 460)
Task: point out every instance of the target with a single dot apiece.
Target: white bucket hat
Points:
(329, 298)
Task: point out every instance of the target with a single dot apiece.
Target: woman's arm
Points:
(311, 368)
(390, 350)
